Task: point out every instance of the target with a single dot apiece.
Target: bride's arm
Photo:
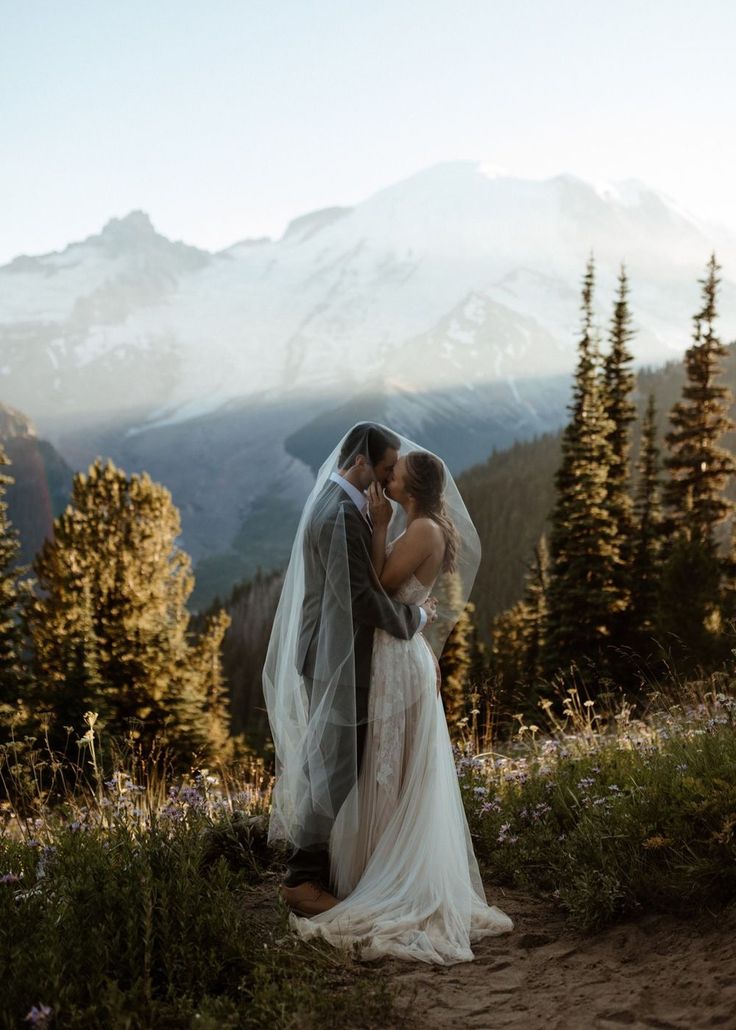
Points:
(409, 552)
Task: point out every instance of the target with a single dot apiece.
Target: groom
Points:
(369, 454)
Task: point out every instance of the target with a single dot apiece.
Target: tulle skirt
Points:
(401, 854)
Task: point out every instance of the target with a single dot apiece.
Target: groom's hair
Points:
(369, 439)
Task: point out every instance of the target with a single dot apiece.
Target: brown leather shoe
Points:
(307, 899)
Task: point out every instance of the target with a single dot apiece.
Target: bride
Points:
(401, 856)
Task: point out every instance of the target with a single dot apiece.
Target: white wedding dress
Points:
(408, 878)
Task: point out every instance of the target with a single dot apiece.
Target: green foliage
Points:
(698, 466)
(509, 499)
(585, 593)
(620, 568)
(117, 928)
(13, 677)
(456, 658)
(647, 535)
(518, 638)
(109, 625)
(642, 817)
(251, 606)
(618, 383)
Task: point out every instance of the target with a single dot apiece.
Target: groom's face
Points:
(384, 469)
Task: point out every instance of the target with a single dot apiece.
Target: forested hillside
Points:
(510, 495)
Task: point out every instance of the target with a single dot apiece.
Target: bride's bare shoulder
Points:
(426, 527)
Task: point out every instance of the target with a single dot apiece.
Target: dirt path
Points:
(654, 971)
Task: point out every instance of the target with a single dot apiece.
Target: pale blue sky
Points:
(225, 119)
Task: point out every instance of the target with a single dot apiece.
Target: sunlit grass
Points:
(609, 813)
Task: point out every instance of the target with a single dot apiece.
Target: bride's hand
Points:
(379, 505)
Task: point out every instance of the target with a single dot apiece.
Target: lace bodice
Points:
(412, 591)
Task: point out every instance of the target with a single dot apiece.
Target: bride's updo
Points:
(425, 483)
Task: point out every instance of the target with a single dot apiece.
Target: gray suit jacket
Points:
(371, 607)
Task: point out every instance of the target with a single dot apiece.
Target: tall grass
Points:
(130, 900)
(609, 813)
(127, 903)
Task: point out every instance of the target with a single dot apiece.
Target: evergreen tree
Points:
(212, 728)
(728, 592)
(689, 611)
(583, 596)
(618, 384)
(13, 679)
(109, 629)
(456, 656)
(645, 565)
(698, 466)
(518, 637)
(534, 611)
(507, 655)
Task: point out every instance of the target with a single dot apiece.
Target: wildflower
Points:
(10, 878)
(586, 782)
(490, 806)
(503, 834)
(38, 1016)
(656, 842)
(480, 791)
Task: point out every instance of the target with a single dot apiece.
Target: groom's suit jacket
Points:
(371, 607)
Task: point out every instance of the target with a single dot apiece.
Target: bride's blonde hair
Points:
(425, 482)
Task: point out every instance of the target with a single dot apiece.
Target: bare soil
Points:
(658, 970)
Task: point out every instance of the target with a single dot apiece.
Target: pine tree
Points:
(518, 637)
(13, 678)
(698, 467)
(456, 656)
(212, 728)
(534, 611)
(728, 591)
(689, 611)
(110, 627)
(647, 541)
(583, 596)
(618, 384)
(507, 654)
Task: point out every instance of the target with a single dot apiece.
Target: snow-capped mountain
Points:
(450, 299)
(450, 276)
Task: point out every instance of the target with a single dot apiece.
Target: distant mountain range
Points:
(446, 304)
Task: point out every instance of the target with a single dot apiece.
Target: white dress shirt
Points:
(360, 501)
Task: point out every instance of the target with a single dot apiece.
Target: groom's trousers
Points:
(312, 862)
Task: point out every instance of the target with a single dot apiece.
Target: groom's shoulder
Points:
(327, 504)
